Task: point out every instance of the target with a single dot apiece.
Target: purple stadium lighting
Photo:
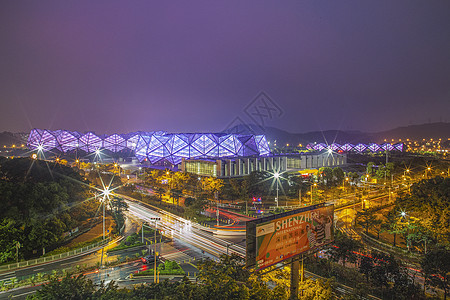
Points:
(154, 147)
(358, 148)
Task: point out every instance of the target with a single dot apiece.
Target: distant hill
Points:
(9, 138)
(416, 132)
(413, 132)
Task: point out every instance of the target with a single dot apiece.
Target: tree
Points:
(194, 206)
(118, 206)
(154, 178)
(353, 177)
(389, 274)
(429, 202)
(8, 239)
(176, 194)
(224, 280)
(421, 237)
(366, 266)
(344, 249)
(68, 288)
(326, 176)
(436, 266)
(377, 225)
(338, 175)
(160, 192)
(211, 185)
(257, 183)
(180, 180)
(392, 225)
(366, 218)
(369, 168)
(317, 289)
(38, 205)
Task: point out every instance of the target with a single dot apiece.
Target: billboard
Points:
(273, 239)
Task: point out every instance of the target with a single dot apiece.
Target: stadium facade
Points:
(206, 154)
(153, 147)
(359, 148)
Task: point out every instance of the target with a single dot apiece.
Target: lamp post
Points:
(276, 176)
(343, 183)
(315, 184)
(405, 217)
(103, 218)
(154, 250)
(216, 195)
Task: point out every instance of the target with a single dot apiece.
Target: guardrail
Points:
(383, 247)
(286, 207)
(46, 259)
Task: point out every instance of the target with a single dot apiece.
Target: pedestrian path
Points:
(349, 232)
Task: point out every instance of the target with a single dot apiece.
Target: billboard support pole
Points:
(302, 271)
(295, 268)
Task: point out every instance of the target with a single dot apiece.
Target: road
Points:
(190, 242)
(210, 240)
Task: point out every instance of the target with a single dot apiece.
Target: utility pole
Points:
(295, 269)
(217, 213)
(216, 195)
(156, 253)
(154, 250)
(104, 218)
(276, 176)
(300, 196)
(277, 194)
(246, 206)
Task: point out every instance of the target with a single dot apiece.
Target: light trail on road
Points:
(179, 228)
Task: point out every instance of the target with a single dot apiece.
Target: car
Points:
(151, 259)
(148, 259)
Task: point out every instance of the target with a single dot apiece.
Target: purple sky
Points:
(184, 66)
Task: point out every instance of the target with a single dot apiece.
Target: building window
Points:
(203, 168)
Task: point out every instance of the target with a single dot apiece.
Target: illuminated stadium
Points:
(360, 148)
(154, 147)
(207, 154)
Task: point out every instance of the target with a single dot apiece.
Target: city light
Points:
(106, 192)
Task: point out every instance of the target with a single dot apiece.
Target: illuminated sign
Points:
(273, 239)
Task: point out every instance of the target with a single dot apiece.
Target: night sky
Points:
(186, 66)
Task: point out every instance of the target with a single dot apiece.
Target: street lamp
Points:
(276, 176)
(427, 170)
(343, 183)
(106, 192)
(315, 184)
